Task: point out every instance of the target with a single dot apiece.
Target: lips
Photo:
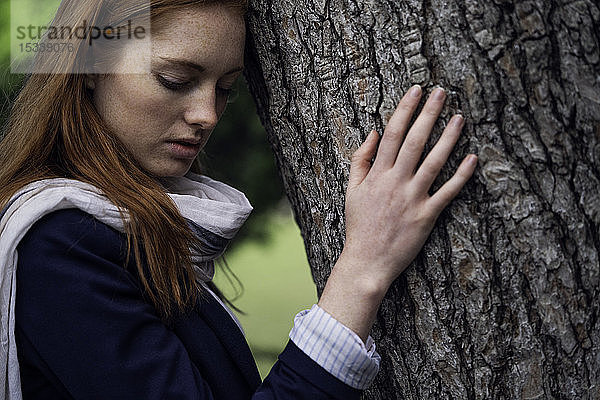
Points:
(185, 148)
(188, 142)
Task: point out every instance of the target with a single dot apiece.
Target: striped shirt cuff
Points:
(335, 347)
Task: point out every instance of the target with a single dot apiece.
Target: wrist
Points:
(370, 277)
(352, 295)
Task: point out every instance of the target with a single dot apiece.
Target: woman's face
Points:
(165, 118)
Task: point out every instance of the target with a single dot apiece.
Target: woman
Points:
(111, 239)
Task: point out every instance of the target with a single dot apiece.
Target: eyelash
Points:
(225, 91)
(177, 86)
(172, 85)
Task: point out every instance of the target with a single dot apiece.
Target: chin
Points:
(171, 171)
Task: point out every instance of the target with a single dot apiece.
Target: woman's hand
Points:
(389, 212)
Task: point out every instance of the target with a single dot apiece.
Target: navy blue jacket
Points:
(85, 331)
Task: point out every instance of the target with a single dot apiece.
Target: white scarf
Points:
(214, 211)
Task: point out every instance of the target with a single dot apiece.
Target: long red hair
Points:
(54, 130)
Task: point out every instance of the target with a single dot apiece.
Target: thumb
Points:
(361, 159)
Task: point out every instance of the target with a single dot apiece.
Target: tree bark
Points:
(503, 300)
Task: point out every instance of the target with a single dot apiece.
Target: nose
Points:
(201, 109)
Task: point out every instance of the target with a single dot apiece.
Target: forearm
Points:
(353, 298)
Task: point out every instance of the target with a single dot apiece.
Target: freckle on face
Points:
(147, 117)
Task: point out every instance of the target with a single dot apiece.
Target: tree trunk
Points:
(503, 301)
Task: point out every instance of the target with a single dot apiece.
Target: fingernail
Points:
(415, 91)
(439, 93)
(472, 160)
(457, 120)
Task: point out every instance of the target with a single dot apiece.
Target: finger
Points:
(396, 127)
(361, 159)
(450, 189)
(412, 148)
(436, 159)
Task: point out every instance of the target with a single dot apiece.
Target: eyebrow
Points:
(197, 67)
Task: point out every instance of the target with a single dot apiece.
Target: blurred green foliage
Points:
(8, 82)
(238, 152)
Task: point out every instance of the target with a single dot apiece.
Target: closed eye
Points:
(224, 91)
(229, 88)
(173, 84)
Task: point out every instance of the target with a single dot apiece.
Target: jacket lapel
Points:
(231, 337)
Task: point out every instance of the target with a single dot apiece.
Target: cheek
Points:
(130, 104)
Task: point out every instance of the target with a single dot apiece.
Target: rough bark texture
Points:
(503, 300)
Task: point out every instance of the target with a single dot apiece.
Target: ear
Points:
(90, 81)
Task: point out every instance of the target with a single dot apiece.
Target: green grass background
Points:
(277, 285)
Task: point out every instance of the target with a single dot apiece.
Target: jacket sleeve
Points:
(94, 336)
(296, 376)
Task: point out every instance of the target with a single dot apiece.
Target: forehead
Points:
(200, 30)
